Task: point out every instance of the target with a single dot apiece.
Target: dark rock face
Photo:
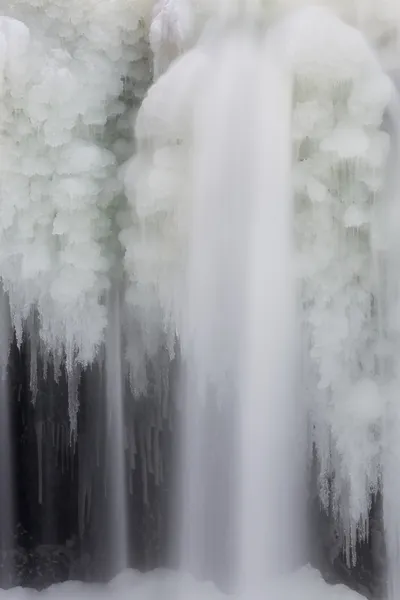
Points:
(61, 501)
(327, 552)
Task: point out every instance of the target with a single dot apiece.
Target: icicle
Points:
(165, 382)
(149, 453)
(63, 445)
(159, 418)
(143, 460)
(57, 362)
(350, 545)
(81, 511)
(71, 452)
(58, 441)
(97, 451)
(126, 438)
(156, 457)
(88, 502)
(39, 441)
(132, 448)
(17, 314)
(157, 450)
(33, 346)
(85, 488)
(161, 468)
(46, 358)
(170, 420)
(74, 375)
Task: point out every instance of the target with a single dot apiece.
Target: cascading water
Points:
(238, 338)
(270, 412)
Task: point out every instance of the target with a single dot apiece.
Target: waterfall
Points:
(238, 338)
(250, 242)
(271, 415)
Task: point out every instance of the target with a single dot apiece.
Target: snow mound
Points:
(306, 584)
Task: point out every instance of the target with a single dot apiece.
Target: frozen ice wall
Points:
(342, 153)
(70, 74)
(62, 77)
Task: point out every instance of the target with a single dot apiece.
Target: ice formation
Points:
(71, 74)
(342, 154)
(62, 76)
(340, 98)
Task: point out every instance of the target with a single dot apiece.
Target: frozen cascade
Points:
(59, 186)
(204, 276)
(339, 176)
(341, 153)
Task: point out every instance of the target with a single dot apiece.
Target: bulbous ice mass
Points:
(62, 71)
(156, 184)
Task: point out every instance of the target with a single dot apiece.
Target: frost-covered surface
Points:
(339, 179)
(306, 584)
(62, 70)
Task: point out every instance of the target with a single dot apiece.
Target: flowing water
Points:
(239, 341)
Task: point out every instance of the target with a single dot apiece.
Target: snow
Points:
(306, 584)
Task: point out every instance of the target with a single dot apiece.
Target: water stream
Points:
(239, 342)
